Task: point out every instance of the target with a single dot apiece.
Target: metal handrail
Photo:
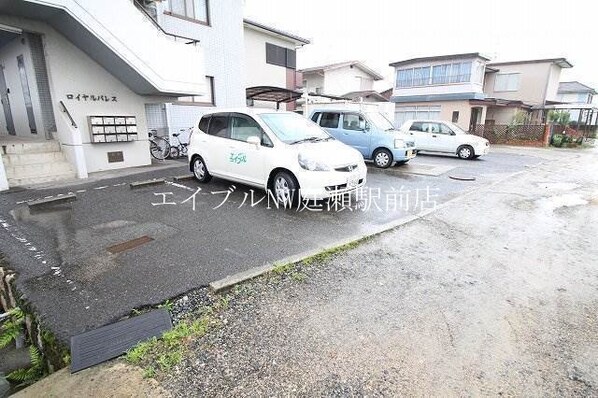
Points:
(141, 7)
(68, 114)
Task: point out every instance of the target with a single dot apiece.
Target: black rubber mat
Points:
(99, 345)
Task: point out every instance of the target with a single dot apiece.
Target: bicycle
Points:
(159, 146)
(179, 149)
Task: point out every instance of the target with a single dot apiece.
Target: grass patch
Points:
(162, 354)
(329, 253)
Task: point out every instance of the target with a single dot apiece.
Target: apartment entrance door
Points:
(4, 92)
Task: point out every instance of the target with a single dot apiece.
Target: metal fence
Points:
(507, 134)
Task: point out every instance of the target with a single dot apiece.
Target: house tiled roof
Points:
(575, 87)
(276, 31)
(338, 65)
(387, 93)
(439, 58)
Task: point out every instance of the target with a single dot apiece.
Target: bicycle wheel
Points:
(174, 152)
(159, 148)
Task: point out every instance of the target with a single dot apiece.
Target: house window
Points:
(364, 83)
(281, 56)
(459, 72)
(421, 76)
(455, 118)
(506, 82)
(440, 74)
(405, 78)
(404, 113)
(201, 100)
(195, 10)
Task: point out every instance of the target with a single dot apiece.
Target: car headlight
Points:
(399, 143)
(311, 164)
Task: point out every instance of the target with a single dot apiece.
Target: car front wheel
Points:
(382, 158)
(285, 188)
(200, 170)
(465, 152)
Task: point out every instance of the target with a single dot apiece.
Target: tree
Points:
(520, 117)
(560, 117)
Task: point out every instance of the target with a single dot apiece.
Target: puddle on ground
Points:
(555, 202)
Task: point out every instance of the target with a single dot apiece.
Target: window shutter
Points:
(291, 59)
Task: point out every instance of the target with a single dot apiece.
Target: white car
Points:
(444, 137)
(280, 152)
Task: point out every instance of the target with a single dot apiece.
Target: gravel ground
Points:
(496, 294)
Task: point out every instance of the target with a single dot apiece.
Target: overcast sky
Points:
(382, 31)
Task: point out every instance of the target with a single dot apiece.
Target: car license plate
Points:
(352, 182)
(410, 154)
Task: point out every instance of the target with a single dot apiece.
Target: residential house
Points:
(271, 75)
(581, 102)
(469, 90)
(340, 78)
(528, 86)
(440, 87)
(80, 80)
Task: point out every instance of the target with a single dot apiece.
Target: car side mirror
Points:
(255, 140)
(366, 127)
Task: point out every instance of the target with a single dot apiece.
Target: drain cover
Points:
(99, 345)
(128, 245)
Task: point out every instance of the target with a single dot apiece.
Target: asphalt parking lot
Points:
(196, 237)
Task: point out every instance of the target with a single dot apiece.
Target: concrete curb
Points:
(52, 200)
(147, 183)
(235, 279)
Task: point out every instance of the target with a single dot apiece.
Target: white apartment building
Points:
(82, 81)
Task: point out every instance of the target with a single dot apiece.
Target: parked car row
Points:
(291, 156)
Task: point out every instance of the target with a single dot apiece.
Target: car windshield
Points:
(380, 121)
(291, 128)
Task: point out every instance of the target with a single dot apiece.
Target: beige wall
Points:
(448, 107)
(537, 82)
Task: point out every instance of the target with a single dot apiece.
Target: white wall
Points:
(340, 81)
(258, 72)
(71, 71)
(313, 81)
(223, 46)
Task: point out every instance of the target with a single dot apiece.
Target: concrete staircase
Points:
(35, 162)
